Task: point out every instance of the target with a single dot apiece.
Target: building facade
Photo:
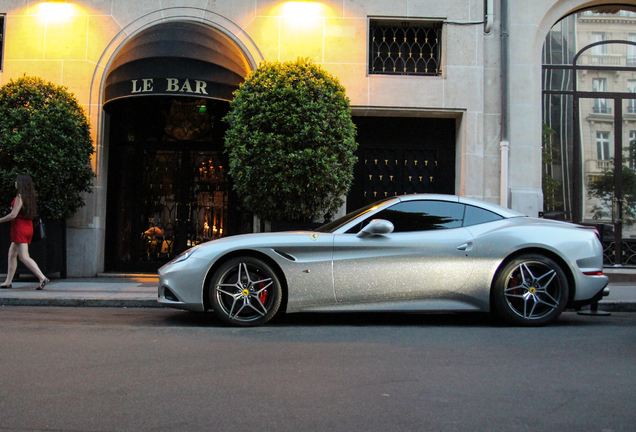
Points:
(446, 96)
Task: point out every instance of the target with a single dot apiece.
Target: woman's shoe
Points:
(5, 286)
(43, 284)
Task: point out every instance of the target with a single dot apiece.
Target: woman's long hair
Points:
(26, 190)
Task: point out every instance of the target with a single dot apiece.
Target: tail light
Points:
(591, 228)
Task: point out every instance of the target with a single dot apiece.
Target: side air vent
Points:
(169, 295)
(285, 255)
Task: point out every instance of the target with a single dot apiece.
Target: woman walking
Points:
(23, 211)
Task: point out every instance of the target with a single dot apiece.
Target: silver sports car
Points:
(407, 253)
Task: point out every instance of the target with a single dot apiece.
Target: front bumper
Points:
(181, 285)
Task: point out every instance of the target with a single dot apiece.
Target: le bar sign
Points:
(168, 85)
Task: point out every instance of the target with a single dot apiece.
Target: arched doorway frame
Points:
(99, 119)
(230, 29)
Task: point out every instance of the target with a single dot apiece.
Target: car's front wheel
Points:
(245, 291)
(531, 290)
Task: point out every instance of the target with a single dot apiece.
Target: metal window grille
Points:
(405, 48)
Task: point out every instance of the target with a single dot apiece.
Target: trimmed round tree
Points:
(290, 142)
(44, 132)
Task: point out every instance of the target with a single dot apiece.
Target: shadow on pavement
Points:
(384, 319)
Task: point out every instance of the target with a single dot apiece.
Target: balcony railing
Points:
(604, 60)
(601, 109)
(598, 166)
(609, 60)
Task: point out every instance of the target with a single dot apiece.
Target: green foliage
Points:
(291, 141)
(549, 184)
(44, 132)
(602, 188)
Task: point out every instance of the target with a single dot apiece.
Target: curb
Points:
(114, 303)
(618, 306)
(608, 306)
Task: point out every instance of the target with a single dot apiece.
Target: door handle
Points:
(465, 247)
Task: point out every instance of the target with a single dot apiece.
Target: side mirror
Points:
(376, 227)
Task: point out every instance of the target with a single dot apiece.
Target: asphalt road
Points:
(97, 369)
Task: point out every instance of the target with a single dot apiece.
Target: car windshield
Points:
(334, 225)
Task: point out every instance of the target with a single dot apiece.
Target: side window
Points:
(422, 215)
(476, 216)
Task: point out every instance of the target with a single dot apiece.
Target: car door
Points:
(306, 261)
(428, 255)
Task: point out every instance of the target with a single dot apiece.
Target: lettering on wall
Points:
(168, 85)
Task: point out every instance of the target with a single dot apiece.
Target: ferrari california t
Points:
(406, 253)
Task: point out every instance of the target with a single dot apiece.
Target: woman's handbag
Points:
(38, 230)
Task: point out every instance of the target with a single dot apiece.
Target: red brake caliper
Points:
(263, 296)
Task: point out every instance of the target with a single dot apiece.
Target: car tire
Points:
(245, 291)
(530, 290)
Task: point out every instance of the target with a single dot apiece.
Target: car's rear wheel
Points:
(245, 291)
(531, 290)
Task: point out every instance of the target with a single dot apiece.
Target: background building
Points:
(447, 97)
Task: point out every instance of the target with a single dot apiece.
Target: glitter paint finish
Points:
(432, 270)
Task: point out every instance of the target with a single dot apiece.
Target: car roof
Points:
(502, 211)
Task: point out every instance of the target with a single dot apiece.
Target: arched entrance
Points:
(166, 94)
(590, 125)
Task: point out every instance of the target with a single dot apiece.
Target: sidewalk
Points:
(106, 291)
(132, 291)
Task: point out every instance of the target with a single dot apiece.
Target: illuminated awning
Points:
(177, 59)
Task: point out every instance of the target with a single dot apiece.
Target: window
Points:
(334, 225)
(599, 49)
(476, 216)
(631, 103)
(1, 42)
(603, 145)
(422, 215)
(405, 48)
(601, 106)
(631, 50)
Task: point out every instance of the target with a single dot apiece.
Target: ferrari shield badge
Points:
(313, 236)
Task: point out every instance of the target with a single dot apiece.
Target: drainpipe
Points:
(490, 16)
(504, 145)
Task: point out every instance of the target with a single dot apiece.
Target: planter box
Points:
(49, 254)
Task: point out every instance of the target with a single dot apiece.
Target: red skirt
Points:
(21, 230)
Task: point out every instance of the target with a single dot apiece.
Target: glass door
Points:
(602, 153)
(628, 177)
(608, 143)
(165, 201)
(208, 198)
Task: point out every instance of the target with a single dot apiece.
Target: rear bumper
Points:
(578, 304)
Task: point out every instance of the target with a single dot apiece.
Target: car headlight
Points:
(184, 255)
